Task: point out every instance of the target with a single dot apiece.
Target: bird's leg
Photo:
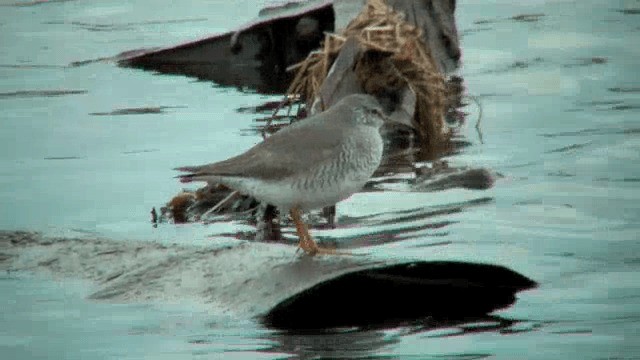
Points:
(306, 241)
(329, 212)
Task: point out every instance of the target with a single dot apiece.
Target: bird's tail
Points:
(194, 175)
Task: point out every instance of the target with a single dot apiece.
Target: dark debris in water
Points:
(5, 257)
(601, 102)
(622, 89)
(624, 107)
(565, 254)
(493, 95)
(137, 111)
(432, 244)
(528, 17)
(517, 65)
(561, 173)
(267, 107)
(63, 158)
(92, 61)
(140, 151)
(623, 180)
(572, 332)
(35, 2)
(30, 66)
(524, 64)
(40, 93)
(593, 131)
(568, 148)
(520, 17)
(604, 105)
(485, 21)
(101, 27)
(596, 60)
(168, 21)
(129, 26)
(630, 11)
(467, 32)
(633, 180)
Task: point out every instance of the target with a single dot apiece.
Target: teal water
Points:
(560, 102)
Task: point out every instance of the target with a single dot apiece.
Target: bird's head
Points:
(365, 108)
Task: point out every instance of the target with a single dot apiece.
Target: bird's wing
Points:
(292, 149)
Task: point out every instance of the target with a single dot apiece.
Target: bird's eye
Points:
(446, 40)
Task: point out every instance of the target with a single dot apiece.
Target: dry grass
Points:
(394, 54)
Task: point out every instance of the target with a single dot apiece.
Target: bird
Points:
(312, 163)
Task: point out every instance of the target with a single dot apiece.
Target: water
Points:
(560, 98)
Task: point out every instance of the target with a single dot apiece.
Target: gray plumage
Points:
(327, 157)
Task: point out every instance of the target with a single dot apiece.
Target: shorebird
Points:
(310, 164)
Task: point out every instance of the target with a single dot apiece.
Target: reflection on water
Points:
(39, 93)
(346, 344)
(135, 111)
(378, 343)
(425, 224)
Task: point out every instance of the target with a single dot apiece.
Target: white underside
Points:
(274, 193)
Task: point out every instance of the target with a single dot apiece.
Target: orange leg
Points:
(306, 241)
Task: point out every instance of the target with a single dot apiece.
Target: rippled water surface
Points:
(560, 96)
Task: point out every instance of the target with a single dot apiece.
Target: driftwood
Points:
(263, 282)
(254, 56)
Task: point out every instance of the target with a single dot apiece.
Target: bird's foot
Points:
(307, 243)
(311, 248)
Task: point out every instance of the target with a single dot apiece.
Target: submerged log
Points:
(256, 55)
(266, 283)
